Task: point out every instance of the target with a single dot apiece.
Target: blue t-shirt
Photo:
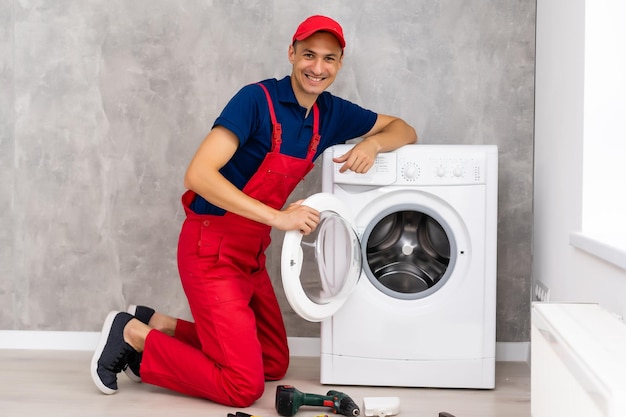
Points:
(247, 116)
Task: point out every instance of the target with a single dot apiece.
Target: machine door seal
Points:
(337, 262)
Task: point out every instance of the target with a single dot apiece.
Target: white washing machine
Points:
(401, 271)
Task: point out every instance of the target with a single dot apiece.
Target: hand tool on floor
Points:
(289, 400)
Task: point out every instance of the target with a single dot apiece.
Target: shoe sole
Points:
(132, 309)
(104, 336)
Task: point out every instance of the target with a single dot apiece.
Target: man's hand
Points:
(359, 158)
(388, 134)
(297, 217)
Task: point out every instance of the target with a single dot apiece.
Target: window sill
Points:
(609, 248)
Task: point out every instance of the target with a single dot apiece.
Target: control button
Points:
(441, 172)
(457, 172)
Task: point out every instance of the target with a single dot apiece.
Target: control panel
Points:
(419, 165)
(384, 171)
(442, 169)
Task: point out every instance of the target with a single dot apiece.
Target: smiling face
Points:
(316, 61)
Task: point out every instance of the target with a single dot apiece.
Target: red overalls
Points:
(238, 339)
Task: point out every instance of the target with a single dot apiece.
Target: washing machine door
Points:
(320, 270)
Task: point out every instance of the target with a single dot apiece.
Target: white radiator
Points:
(578, 361)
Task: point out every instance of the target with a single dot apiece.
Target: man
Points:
(259, 149)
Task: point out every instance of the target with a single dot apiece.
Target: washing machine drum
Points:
(406, 253)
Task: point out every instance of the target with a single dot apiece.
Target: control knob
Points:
(410, 171)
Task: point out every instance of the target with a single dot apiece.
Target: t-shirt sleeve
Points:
(350, 120)
(241, 114)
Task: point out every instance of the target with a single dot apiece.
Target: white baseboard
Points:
(48, 340)
(298, 346)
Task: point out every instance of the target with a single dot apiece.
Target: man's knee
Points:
(245, 393)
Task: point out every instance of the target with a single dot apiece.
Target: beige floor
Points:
(58, 384)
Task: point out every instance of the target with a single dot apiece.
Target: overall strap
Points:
(315, 140)
(277, 130)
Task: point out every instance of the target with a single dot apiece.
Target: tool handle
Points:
(314, 400)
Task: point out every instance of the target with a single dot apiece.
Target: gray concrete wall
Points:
(103, 103)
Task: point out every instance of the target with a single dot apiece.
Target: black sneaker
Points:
(143, 314)
(111, 354)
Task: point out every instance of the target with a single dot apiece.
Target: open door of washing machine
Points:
(320, 270)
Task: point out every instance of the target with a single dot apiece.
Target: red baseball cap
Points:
(319, 23)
